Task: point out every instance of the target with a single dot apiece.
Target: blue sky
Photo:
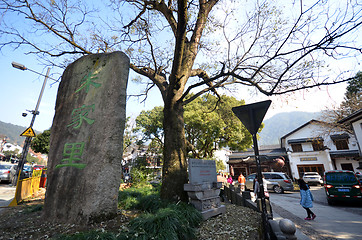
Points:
(20, 91)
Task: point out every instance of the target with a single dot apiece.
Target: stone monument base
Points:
(205, 198)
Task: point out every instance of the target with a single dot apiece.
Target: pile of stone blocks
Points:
(203, 188)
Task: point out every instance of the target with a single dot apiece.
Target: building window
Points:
(341, 144)
(317, 145)
(297, 147)
(347, 166)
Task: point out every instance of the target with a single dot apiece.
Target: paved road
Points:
(332, 222)
(7, 193)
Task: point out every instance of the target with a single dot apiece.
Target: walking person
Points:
(257, 187)
(306, 199)
(230, 180)
(241, 180)
(258, 199)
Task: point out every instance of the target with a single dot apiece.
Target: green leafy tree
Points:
(149, 123)
(31, 159)
(40, 143)
(12, 154)
(355, 86)
(220, 166)
(206, 127)
(184, 46)
(210, 124)
(128, 137)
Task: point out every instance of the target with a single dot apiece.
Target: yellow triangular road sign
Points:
(29, 132)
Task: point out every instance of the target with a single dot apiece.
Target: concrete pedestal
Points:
(205, 198)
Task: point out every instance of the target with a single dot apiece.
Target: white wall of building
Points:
(12, 147)
(299, 158)
(310, 158)
(357, 127)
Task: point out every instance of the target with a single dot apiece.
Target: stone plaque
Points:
(84, 168)
(201, 171)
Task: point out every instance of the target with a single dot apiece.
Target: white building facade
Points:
(355, 119)
(312, 148)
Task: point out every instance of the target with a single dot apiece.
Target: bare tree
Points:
(352, 103)
(193, 46)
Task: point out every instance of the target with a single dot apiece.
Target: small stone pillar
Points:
(203, 188)
(288, 228)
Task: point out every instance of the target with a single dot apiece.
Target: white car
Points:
(312, 178)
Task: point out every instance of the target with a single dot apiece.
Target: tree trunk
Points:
(174, 174)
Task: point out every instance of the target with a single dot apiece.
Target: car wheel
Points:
(330, 202)
(278, 189)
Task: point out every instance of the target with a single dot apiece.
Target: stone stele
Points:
(84, 168)
(203, 189)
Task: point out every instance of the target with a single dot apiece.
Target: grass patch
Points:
(172, 222)
(160, 219)
(34, 208)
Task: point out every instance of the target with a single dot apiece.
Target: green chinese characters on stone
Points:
(81, 114)
(87, 81)
(72, 154)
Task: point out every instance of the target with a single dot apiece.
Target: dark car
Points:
(342, 185)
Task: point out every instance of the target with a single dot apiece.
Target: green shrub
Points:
(139, 177)
(34, 208)
(151, 203)
(162, 225)
(161, 220)
(173, 222)
(136, 197)
(188, 212)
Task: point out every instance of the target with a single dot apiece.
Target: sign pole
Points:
(28, 132)
(251, 116)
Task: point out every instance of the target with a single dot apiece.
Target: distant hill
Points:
(12, 132)
(274, 127)
(283, 123)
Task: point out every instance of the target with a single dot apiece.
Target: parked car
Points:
(5, 172)
(27, 171)
(312, 178)
(342, 185)
(38, 167)
(359, 176)
(279, 181)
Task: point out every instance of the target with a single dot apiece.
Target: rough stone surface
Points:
(87, 139)
(288, 228)
(213, 212)
(202, 187)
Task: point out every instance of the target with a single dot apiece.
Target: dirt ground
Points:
(25, 222)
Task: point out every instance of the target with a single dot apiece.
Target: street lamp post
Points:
(34, 112)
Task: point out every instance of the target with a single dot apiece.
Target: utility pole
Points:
(35, 112)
